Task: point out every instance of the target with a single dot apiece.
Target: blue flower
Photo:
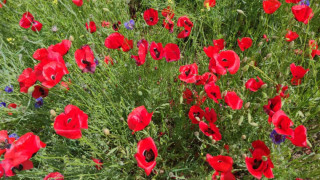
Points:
(8, 89)
(14, 135)
(129, 25)
(96, 61)
(3, 104)
(277, 138)
(305, 2)
(39, 102)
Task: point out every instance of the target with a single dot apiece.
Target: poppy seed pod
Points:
(30, 90)
(106, 131)
(196, 134)
(260, 43)
(71, 38)
(243, 137)
(269, 55)
(247, 105)
(53, 113)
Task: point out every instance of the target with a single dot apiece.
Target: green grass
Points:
(112, 92)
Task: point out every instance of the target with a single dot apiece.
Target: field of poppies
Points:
(176, 89)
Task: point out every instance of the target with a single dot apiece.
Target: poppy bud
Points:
(196, 134)
(241, 12)
(171, 174)
(224, 93)
(53, 113)
(213, 141)
(265, 58)
(291, 44)
(105, 9)
(316, 157)
(106, 131)
(140, 93)
(71, 38)
(243, 137)
(245, 59)
(198, 119)
(161, 171)
(122, 119)
(30, 90)
(181, 99)
(264, 86)
(244, 156)
(245, 68)
(240, 120)
(260, 43)
(264, 158)
(269, 55)
(247, 105)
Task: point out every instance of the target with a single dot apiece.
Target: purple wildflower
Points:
(129, 25)
(8, 89)
(277, 138)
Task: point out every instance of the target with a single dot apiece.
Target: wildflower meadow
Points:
(161, 89)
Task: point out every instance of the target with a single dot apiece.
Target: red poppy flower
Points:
(54, 176)
(299, 137)
(187, 95)
(211, 50)
(117, 40)
(293, 1)
(108, 59)
(213, 91)
(270, 6)
(40, 54)
(298, 73)
(260, 163)
(36, 26)
(172, 52)
(210, 115)
(265, 37)
(70, 122)
(254, 85)
(11, 106)
(245, 43)
(220, 163)
(61, 48)
(98, 162)
(65, 85)
(26, 80)
(273, 106)
(20, 152)
(219, 43)
(282, 90)
(26, 20)
(282, 123)
(225, 60)
(91, 27)
(3, 2)
(185, 22)
(168, 24)
(5, 141)
(138, 119)
(291, 36)
(167, 12)
(206, 78)
(78, 2)
(50, 72)
(209, 3)
(147, 154)
(189, 73)
(105, 24)
(40, 91)
(156, 51)
(302, 13)
(211, 131)
(314, 48)
(195, 114)
(151, 16)
(10, 169)
(85, 59)
(233, 100)
(142, 53)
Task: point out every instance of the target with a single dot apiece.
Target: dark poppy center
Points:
(196, 114)
(256, 163)
(42, 91)
(156, 52)
(214, 94)
(187, 72)
(53, 77)
(224, 60)
(210, 131)
(15, 169)
(69, 120)
(272, 106)
(149, 155)
(151, 19)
